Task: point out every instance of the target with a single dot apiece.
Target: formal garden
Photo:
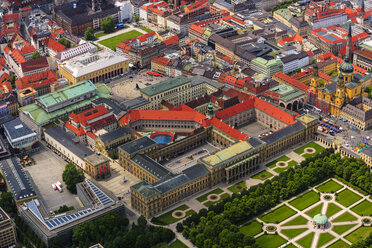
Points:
(341, 210)
(114, 41)
(324, 201)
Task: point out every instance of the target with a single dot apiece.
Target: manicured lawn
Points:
(146, 29)
(167, 218)
(236, 188)
(299, 220)
(314, 145)
(114, 41)
(290, 164)
(273, 163)
(330, 186)
(291, 233)
(278, 215)
(205, 196)
(263, 175)
(363, 209)
(339, 244)
(345, 217)
(359, 234)
(324, 238)
(332, 209)
(270, 241)
(306, 241)
(314, 211)
(305, 200)
(291, 246)
(347, 197)
(341, 229)
(251, 229)
(177, 244)
(210, 203)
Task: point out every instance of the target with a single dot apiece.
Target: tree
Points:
(142, 222)
(179, 227)
(89, 34)
(65, 42)
(36, 55)
(108, 25)
(55, 242)
(136, 19)
(7, 203)
(71, 176)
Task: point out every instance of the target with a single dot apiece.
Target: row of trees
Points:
(71, 176)
(208, 229)
(7, 203)
(26, 234)
(364, 243)
(107, 26)
(112, 231)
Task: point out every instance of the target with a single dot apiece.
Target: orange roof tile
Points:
(37, 80)
(28, 49)
(226, 128)
(55, 46)
(291, 81)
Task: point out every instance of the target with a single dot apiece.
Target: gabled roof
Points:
(11, 18)
(28, 49)
(88, 115)
(55, 46)
(291, 81)
(37, 80)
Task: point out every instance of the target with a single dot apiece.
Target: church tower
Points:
(349, 45)
(340, 95)
(363, 7)
(314, 79)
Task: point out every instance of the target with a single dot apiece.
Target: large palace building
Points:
(162, 135)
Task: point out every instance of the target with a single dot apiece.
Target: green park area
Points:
(299, 220)
(339, 244)
(345, 217)
(290, 164)
(221, 197)
(114, 41)
(177, 244)
(204, 197)
(168, 218)
(238, 187)
(329, 187)
(359, 234)
(278, 215)
(306, 241)
(270, 241)
(272, 164)
(324, 238)
(363, 209)
(251, 229)
(301, 150)
(315, 210)
(306, 200)
(347, 197)
(263, 175)
(147, 29)
(291, 233)
(332, 209)
(342, 228)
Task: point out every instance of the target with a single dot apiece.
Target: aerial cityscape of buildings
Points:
(156, 111)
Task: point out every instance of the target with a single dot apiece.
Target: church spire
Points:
(349, 44)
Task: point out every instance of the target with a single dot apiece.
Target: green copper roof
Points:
(165, 85)
(67, 93)
(320, 219)
(292, 95)
(267, 63)
(144, 189)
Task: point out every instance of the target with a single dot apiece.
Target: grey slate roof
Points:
(331, 87)
(16, 179)
(107, 137)
(151, 166)
(134, 103)
(137, 145)
(188, 175)
(280, 134)
(17, 129)
(66, 139)
(109, 104)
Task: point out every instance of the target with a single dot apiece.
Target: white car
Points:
(347, 144)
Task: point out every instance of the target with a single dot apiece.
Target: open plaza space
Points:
(47, 170)
(254, 129)
(317, 218)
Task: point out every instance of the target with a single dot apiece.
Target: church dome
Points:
(346, 66)
(320, 219)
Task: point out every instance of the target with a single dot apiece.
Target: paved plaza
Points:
(254, 129)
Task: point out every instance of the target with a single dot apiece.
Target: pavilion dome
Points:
(320, 219)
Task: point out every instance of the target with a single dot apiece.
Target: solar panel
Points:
(48, 224)
(56, 221)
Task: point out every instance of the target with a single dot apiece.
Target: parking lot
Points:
(48, 169)
(350, 136)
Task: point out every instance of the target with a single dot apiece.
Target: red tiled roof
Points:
(55, 46)
(90, 134)
(291, 81)
(34, 64)
(236, 109)
(18, 57)
(171, 41)
(160, 60)
(78, 131)
(37, 80)
(89, 114)
(136, 115)
(11, 17)
(5, 76)
(226, 128)
(28, 49)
